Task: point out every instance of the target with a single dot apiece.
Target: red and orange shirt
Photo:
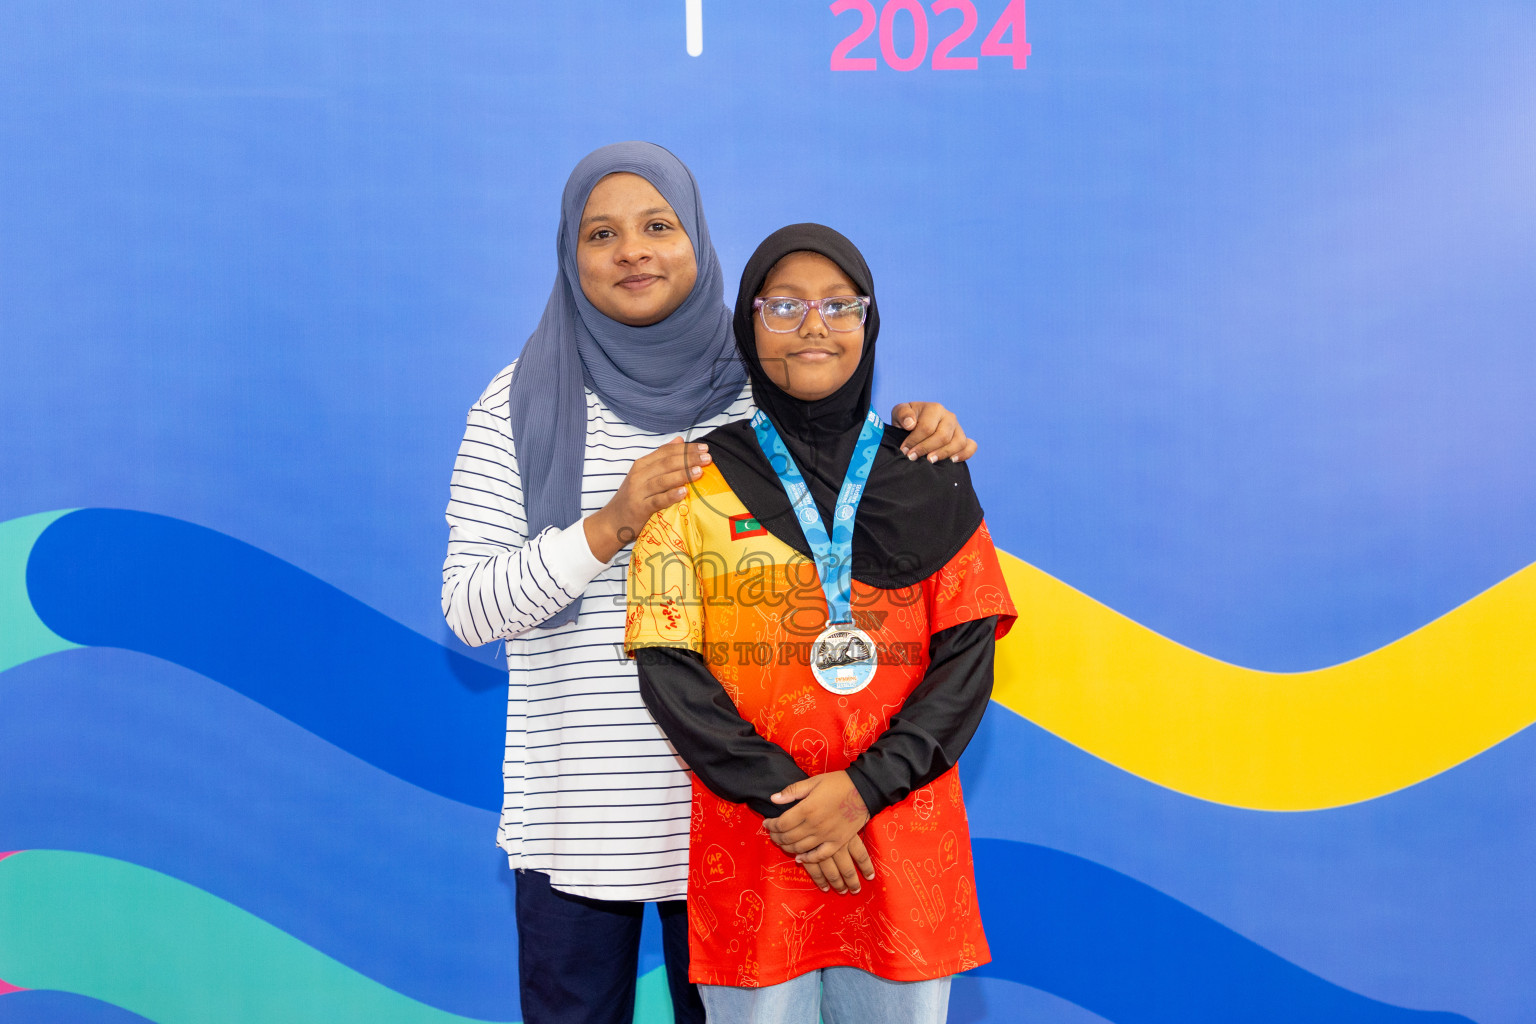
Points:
(706, 576)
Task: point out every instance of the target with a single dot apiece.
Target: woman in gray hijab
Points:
(565, 455)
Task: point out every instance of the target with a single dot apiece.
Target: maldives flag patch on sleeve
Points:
(746, 525)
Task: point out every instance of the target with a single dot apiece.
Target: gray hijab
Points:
(665, 377)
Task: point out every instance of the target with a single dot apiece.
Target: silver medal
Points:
(843, 658)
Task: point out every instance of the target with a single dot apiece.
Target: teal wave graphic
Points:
(173, 954)
(168, 951)
(24, 636)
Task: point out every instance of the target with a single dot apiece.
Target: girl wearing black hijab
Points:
(814, 627)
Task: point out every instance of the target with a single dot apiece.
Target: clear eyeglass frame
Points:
(806, 305)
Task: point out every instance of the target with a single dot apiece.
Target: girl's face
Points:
(634, 259)
(812, 362)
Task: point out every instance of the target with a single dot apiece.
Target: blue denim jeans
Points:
(841, 995)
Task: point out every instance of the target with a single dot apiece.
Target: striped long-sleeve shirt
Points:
(594, 795)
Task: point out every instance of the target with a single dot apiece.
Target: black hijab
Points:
(914, 516)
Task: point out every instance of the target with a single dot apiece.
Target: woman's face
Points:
(634, 259)
(812, 362)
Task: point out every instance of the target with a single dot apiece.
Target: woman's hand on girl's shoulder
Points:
(933, 432)
(652, 483)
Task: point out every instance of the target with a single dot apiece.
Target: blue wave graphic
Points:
(119, 754)
(200, 787)
(61, 1008)
(1414, 898)
(285, 639)
(973, 999)
(1135, 956)
(209, 787)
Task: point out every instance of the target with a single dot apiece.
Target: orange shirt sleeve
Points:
(969, 587)
(664, 606)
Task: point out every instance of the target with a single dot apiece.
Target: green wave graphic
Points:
(23, 636)
(653, 1000)
(168, 951)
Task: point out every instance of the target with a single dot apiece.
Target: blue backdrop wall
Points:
(1237, 298)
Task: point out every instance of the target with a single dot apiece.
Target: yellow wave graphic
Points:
(1276, 741)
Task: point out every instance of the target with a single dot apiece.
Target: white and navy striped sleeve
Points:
(497, 581)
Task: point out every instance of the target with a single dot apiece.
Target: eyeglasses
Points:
(783, 315)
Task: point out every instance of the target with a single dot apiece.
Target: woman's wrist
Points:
(604, 535)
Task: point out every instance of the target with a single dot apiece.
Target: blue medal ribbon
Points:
(833, 555)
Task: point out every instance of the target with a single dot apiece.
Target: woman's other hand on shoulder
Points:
(934, 432)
